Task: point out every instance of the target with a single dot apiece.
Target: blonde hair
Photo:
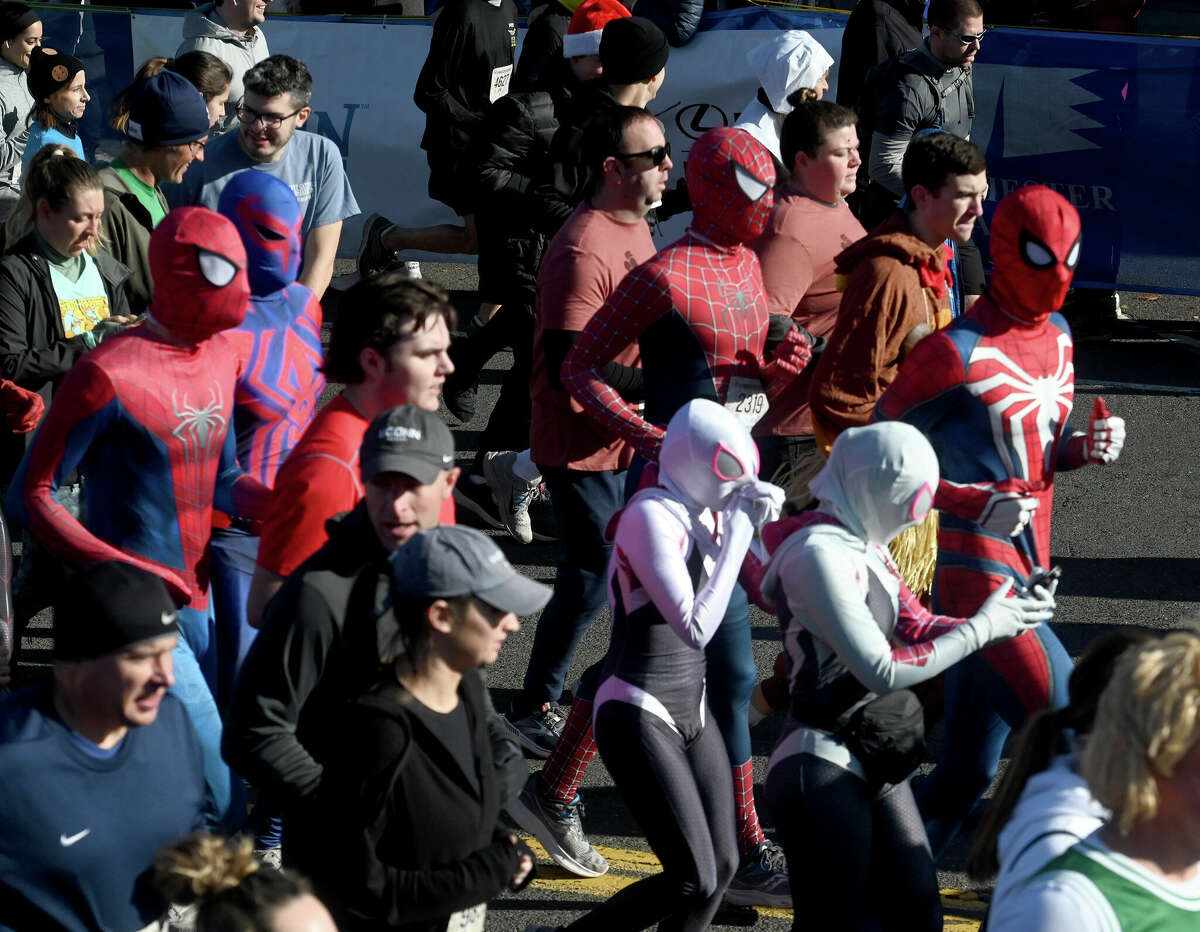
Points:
(1147, 721)
(55, 174)
(232, 890)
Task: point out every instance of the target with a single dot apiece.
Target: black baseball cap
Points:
(109, 607)
(408, 440)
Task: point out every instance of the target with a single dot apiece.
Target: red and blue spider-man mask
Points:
(267, 216)
(1035, 243)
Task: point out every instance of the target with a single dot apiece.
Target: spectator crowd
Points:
(268, 706)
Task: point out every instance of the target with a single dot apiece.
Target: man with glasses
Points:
(270, 138)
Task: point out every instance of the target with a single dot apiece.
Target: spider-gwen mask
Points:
(199, 268)
(1035, 247)
(731, 180)
(267, 215)
(706, 455)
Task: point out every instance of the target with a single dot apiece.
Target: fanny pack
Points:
(887, 735)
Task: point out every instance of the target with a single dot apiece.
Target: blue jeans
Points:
(583, 503)
(194, 652)
(233, 554)
(981, 709)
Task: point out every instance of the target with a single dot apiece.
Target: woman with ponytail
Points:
(234, 891)
(1043, 806)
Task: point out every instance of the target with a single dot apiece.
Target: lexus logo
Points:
(695, 120)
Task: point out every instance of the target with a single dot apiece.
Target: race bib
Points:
(500, 80)
(747, 400)
(468, 920)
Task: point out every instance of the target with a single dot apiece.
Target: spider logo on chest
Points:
(199, 427)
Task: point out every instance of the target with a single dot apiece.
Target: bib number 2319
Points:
(747, 400)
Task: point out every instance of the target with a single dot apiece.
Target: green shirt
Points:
(147, 194)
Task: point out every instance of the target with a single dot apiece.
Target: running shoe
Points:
(511, 493)
(270, 857)
(474, 496)
(560, 830)
(373, 256)
(459, 396)
(762, 879)
(538, 731)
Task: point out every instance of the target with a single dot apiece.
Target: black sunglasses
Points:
(967, 38)
(657, 155)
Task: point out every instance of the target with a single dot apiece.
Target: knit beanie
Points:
(15, 18)
(109, 607)
(166, 110)
(632, 49)
(587, 26)
(51, 71)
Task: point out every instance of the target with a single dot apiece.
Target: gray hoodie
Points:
(204, 30)
(15, 104)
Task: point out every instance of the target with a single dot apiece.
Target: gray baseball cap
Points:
(452, 561)
(408, 440)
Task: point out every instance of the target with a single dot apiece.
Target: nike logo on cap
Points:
(168, 618)
(67, 840)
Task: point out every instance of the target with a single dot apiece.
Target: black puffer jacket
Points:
(511, 149)
(541, 49)
(678, 19)
(876, 31)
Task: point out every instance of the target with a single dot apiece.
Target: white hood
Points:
(879, 480)
(786, 63)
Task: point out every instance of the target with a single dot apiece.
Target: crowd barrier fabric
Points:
(1111, 122)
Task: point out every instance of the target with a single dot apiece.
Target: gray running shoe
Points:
(762, 879)
(373, 256)
(511, 493)
(270, 857)
(538, 731)
(559, 829)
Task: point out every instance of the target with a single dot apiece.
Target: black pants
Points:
(681, 794)
(855, 854)
(508, 425)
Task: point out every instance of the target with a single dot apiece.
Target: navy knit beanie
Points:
(166, 110)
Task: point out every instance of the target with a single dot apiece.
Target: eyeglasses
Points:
(657, 155)
(197, 146)
(967, 38)
(248, 117)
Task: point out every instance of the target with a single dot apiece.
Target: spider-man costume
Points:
(279, 346)
(144, 417)
(698, 312)
(993, 392)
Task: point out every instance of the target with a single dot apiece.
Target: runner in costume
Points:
(279, 345)
(698, 312)
(678, 548)
(853, 632)
(144, 418)
(993, 392)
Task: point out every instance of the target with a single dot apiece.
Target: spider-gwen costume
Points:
(677, 551)
(279, 345)
(853, 631)
(144, 417)
(698, 312)
(993, 392)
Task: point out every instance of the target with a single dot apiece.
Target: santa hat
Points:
(587, 24)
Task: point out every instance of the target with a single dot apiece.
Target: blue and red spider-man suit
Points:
(279, 347)
(698, 313)
(145, 419)
(993, 392)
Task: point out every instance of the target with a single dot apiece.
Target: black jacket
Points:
(678, 19)
(876, 31)
(541, 49)
(513, 146)
(408, 837)
(471, 40)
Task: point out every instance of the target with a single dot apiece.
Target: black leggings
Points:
(681, 794)
(855, 854)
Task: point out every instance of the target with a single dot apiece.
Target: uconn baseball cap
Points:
(408, 440)
(448, 562)
(109, 607)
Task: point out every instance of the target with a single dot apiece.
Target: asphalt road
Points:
(1124, 536)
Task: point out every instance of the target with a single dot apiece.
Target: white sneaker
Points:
(511, 494)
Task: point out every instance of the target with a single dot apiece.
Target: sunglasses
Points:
(967, 38)
(657, 155)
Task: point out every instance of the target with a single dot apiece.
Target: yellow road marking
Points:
(964, 909)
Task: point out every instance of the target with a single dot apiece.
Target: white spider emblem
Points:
(197, 426)
(1025, 420)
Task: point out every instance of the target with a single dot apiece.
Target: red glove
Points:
(23, 409)
(788, 360)
(1105, 437)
